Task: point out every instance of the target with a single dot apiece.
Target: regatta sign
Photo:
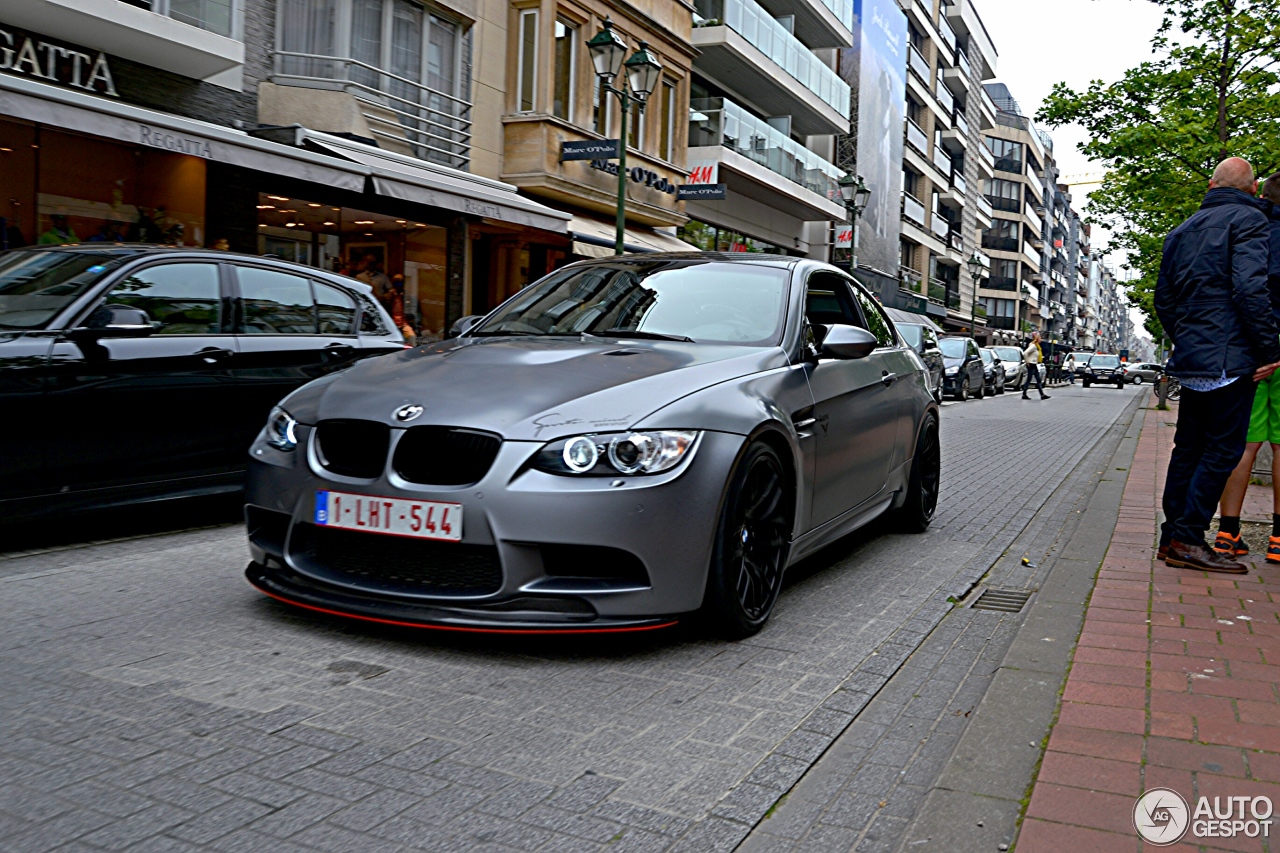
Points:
(32, 56)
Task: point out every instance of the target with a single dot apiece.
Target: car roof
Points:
(785, 261)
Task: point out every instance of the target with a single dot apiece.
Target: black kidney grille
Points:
(372, 560)
(445, 456)
(353, 448)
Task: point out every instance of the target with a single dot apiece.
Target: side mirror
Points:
(847, 342)
(464, 324)
(116, 321)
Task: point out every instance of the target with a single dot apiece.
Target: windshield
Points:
(913, 335)
(1008, 353)
(987, 357)
(35, 286)
(952, 347)
(687, 300)
(1104, 361)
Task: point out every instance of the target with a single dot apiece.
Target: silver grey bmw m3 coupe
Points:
(625, 444)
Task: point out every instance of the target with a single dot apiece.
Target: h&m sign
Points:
(33, 56)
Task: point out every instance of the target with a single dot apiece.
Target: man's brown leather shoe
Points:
(1162, 553)
(1202, 558)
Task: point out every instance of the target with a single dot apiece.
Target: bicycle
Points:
(1175, 389)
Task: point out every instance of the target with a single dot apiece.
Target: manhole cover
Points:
(1003, 600)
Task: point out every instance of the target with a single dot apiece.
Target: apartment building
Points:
(765, 106)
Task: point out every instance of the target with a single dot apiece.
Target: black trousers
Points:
(1207, 446)
(1032, 370)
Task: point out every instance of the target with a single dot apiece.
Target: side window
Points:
(877, 323)
(276, 303)
(335, 309)
(973, 349)
(370, 319)
(827, 302)
(180, 299)
(930, 339)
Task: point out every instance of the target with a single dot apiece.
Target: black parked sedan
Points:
(963, 372)
(130, 373)
(924, 341)
(993, 375)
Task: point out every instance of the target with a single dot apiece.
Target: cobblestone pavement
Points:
(152, 700)
(1174, 684)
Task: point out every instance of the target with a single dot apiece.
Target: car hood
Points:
(952, 362)
(528, 389)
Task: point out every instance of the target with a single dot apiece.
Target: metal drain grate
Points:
(1003, 600)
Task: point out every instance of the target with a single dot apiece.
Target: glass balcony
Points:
(958, 182)
(912, 208)
(939, 225)
(942, 159)
(916, 137)
(216, 16)
(962, 62)
(944, 95)
(948, 34)
(918, 64)
(937, 292)
(754, 24)
(730, 125)
(962, 123)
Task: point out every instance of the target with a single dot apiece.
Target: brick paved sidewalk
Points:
(1173, 684)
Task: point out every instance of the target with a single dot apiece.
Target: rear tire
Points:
(963, 393)
(981, 392)
(1137, 380)
(923, 486)
(751, 546)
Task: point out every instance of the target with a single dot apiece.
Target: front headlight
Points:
(610, 454)
(281, 430)
(952, 371)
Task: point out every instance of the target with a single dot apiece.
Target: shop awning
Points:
(595, 238)
(411, 179)
(63, 108)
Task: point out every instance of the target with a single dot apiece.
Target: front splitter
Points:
(403, 614)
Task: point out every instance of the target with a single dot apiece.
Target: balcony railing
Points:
(958, 182)
(984, 206)
(937, 292)
(1000, 322)
(962, 123)
(757, 26)
(913, 208)
(916, 137)
(917, 63)
(942, 159)
(216, 16)
(940, 226)
(730, 125)
(953, 298)
(1009, 164)
(911, 278)
(954, 238)
(945, 97)
(1008, 205)
(948, 34)
(962, 62)
(436, 125)
(985, 153)
(1000, 244)
(1000, 282)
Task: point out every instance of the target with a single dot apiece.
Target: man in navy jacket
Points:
(1213, 301)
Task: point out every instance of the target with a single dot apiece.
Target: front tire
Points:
(751, 546)
(963, 393)
(924, 484)
(1086, 383)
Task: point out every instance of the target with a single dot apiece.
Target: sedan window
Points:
(276, 303)
(336, 310)
(702, 301)
(877, 323)
(912, 335)
(180, 299)
(36, 285)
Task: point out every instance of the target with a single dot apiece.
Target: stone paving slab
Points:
(1174, 684)
(153, 700)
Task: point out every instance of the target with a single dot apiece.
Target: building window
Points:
(216, 16)
(527, 60)
(910, 180)
(635, 127)
(1008, 154)
(601, 109)
(566, 68)
(1004, 195)
(666, 125)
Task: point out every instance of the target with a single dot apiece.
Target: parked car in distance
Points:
(1142, 371)
(924, 341)
(130, 373)
(757, 407)
(992, 371)
(1015, 368)
(962, 367)
(1104, 368)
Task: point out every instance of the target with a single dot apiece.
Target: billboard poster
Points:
(879, 63)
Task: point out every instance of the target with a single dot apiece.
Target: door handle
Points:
(338, 350)
(212, 355)
(888, 378)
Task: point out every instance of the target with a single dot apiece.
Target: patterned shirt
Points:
(1201, 383)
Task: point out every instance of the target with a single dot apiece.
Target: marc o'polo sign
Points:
(700, 192)
(592, 149)
(29, 55)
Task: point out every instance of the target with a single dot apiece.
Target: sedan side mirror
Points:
(847, 342)
(116, 321)
(464, 324)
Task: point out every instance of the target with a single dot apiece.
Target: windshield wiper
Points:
(641, 334)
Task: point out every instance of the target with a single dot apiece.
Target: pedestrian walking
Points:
(1034, 357)
(1213, 301)
(1264, 419)
(1069, 367)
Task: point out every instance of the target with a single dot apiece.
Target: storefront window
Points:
(712, 238)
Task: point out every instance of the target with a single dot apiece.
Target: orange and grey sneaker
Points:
(1235, 546)
(1273, 549)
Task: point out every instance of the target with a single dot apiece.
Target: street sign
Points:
(591, 149)
(700, 192)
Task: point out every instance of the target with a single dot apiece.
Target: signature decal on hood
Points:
(541, 423)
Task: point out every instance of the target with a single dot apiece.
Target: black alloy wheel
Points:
(925, 483)
(751, 546)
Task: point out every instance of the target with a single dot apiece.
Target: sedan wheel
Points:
(963, 393)
(924, 485)
(1137, 380)
(751, 546)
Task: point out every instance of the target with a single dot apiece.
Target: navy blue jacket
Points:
(1212, 295)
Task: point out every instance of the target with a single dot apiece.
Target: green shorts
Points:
(1264, 420)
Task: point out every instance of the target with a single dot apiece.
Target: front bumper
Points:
(664, 524)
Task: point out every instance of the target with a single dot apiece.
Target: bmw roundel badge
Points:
(408, 413)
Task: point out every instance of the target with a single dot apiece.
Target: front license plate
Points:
(391, 516)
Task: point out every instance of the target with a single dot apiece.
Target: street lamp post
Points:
(855, 194)
(643, 72)
(975, 269)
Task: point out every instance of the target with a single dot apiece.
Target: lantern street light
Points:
(975, 270)
(855, 194)
(643, 73)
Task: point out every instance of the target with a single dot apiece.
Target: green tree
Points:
(1210, 91)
